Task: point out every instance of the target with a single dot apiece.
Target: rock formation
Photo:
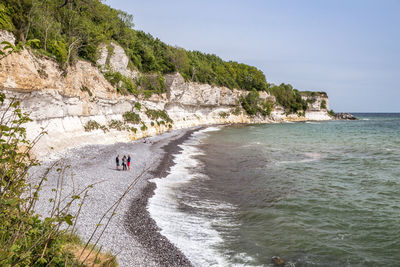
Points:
(344, 116)
(64, 102)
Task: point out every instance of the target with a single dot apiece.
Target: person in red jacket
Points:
(129, 162)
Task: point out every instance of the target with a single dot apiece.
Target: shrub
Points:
(266, 108)
(124, 84)
(104, 128)
(311, 100)
(85, 89)
(288, 97)
(148, 93)
(110, 53)
(138, 106)
(131, 117)
(158, 114)
(91, 125)
(59, 50)
(331, 113)
(151, 84)
(323, 104)
(144, 127)
(253, 105)
(25, 240)
(313, 93)
(236, 111)
(116, 124)
(223, 115)
(250, 102)
(301, 114)
(5, 19)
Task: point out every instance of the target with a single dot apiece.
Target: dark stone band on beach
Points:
(139, 222)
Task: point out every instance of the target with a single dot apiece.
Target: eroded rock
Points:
(278, 261)
(345, 116)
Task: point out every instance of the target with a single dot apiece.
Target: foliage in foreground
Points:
(25, 238)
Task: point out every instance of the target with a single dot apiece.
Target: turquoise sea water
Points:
(315, 194)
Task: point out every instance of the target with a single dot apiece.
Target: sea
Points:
(313, 194)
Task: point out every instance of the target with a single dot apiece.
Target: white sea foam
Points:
(252, 144)
(209, 129)
(312, 156)
(309, 157)
(192, 233)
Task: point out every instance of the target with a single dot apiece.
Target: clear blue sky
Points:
(348, 48)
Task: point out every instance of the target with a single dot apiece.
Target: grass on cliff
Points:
(156, 114)
(26, 239)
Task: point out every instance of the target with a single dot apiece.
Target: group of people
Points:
(126, 163)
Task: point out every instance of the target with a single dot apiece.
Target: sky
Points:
(349, 49)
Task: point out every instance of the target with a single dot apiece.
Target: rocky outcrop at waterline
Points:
(345, 116)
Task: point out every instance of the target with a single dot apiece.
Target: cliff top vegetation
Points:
(74, 29)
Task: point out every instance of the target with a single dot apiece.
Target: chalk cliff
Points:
(65, 102)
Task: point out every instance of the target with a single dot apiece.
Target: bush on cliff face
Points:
(91, 125)
(323, 104)
(124, 84)
(131, 117)
(151, 83)
(158, 114)
(253, 105)
(288, 97)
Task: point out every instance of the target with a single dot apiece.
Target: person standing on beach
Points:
(117, 162)
(124, 163)
(129, 162)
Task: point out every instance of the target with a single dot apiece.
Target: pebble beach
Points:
(131, 234)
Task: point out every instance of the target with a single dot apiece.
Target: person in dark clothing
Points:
(129, 162)
(124, 163)
(117, 162)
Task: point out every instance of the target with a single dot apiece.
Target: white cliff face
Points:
(62, 103)
(318, 107)
(6, 36)
(112, 57)
(195, 94)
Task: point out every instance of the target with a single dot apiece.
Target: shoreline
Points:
(132, 235)
(139, 221)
